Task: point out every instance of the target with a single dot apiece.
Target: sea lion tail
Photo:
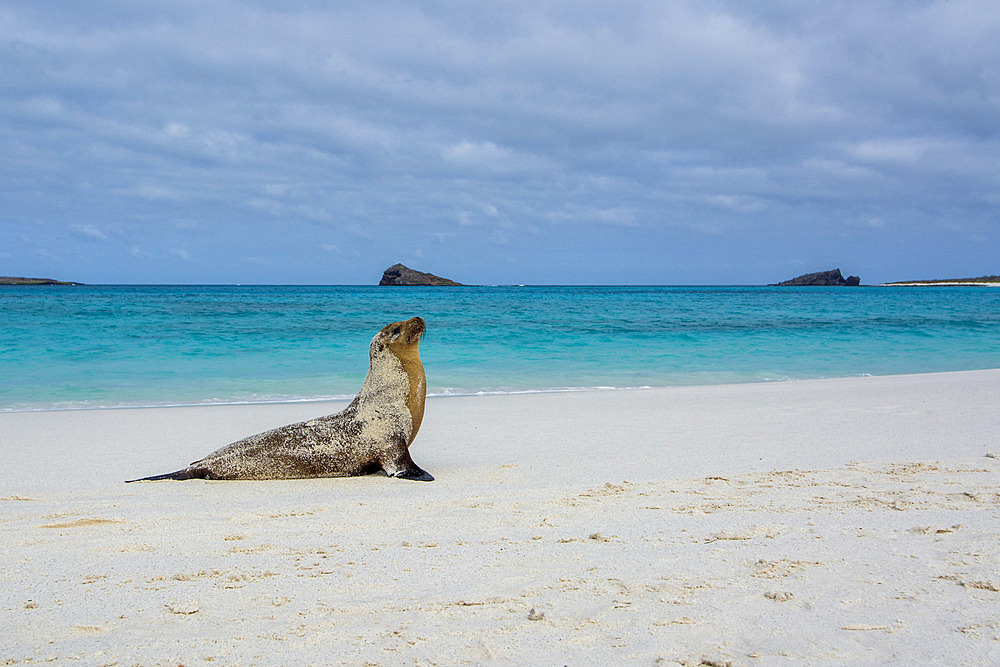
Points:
(186, 473)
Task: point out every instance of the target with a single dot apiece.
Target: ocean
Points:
(129, 346)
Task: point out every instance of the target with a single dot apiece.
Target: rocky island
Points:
(399, 275)
(832, 278)
(14, 280)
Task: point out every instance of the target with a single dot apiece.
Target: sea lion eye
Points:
(395, 331)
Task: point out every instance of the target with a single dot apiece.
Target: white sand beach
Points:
(845, 521)
(943, 283)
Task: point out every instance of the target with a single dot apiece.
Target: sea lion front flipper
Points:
(415, 473)
(397, 463)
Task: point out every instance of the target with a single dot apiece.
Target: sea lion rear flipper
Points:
(186, 473)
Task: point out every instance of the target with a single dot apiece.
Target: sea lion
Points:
(374, 432)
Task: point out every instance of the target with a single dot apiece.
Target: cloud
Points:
(636, 117)
(176, 130)
(906, 151)
(615, 217)
(737, 203)
(488, 157)
(869, 222)
(88, 232)
(151, 192)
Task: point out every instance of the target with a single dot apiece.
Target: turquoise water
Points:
(100, 346)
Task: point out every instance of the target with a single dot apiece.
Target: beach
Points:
(841, 521)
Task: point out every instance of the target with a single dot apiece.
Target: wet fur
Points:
(373, 433)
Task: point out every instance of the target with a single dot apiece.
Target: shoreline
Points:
(846, 520)
(943, 283)
(460, 394)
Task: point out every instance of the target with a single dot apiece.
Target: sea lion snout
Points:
(405, 332)
(415, 328)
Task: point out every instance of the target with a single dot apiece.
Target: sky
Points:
(703, 142)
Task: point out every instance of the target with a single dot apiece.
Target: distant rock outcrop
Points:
(13, 280)
(832, 278)
(398, 275)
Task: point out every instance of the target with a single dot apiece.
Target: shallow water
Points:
(98, 346)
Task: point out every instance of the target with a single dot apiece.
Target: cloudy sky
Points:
(657, 142)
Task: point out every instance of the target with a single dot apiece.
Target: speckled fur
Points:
(374, 432)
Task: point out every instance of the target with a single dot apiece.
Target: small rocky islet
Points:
(17, 280)
(831, 278)
(399, 275)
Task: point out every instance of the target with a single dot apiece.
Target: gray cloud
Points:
(280, 130)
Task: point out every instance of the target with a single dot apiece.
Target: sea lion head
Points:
(397, 346)
(401, 338)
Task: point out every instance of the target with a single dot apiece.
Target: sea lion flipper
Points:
(397, 463)
(184, 473)
(415, 473)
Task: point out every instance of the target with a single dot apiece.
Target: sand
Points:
(944, 283)
(832, 521)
